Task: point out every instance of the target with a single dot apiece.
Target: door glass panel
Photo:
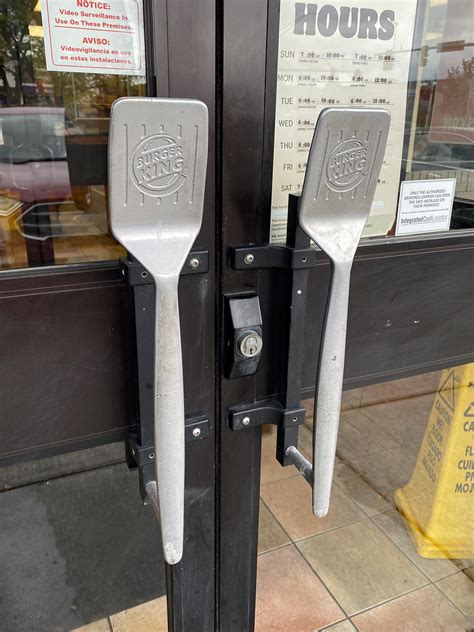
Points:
(416, 60)
(396, 550)
(53, 149)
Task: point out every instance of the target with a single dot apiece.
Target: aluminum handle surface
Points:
(342, 172)
(329, 387)
(169, 417)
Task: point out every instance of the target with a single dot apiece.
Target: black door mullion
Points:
(187, 48)
(242, 112)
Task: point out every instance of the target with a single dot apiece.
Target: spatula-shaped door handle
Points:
(329, 387)
(157, 172)
(169, 418)
(343, 168)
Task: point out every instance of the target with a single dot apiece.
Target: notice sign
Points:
(425, 206)
(345, 53)
(96, 37)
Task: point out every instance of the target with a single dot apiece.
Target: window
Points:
(53, 136)
(414, 59)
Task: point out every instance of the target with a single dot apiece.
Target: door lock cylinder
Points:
(250, 343)
(243, 336)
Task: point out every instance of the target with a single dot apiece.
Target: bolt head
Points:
(249, 258)
(194, 262)
(197, 432)
(245, 421)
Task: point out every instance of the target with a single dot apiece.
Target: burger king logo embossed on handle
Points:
(158, 165)
(345, 168)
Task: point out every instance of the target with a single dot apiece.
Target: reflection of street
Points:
(47, 221)
(56, 232)
(7, 206)
(63, 219)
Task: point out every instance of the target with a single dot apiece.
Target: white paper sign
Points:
(343, 53)
(425, 206)
(96, 37)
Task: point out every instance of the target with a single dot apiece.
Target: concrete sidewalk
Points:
(75, 549)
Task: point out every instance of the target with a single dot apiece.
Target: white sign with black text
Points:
(93, 36)
(425, 206)
(341, 53)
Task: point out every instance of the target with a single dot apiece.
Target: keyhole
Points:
(250, 346)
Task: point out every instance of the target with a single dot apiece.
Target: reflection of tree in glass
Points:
(26, 80)
(461, 81)
(456, 98)
(467, 70)
(16, 67)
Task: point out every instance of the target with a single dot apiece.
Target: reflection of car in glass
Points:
(451, 155)
(442, 155)
(33, 158)
(93, 118)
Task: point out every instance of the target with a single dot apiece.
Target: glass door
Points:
(395, 550)
(78, 546)
(54, 123)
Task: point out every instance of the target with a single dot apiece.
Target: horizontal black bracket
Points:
(271, 256)
(196, 429)
(267, 412)
(134, 273)
(296, 257)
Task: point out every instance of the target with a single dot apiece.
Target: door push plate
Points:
(243, 336)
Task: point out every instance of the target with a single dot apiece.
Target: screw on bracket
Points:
(249, 258)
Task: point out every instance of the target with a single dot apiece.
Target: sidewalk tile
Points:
(424, 610)
(361, 566)
(290, 502)
(148, 616)
(290, 598)
(459, 589)
(393, 525)
(270, 533)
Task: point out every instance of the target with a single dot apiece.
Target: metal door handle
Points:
(329, 387)
(343, 168)
(157, 171)
(167, 495)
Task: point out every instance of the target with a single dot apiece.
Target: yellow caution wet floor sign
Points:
(438, 502)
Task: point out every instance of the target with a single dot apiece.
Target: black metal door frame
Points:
(185, 41)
